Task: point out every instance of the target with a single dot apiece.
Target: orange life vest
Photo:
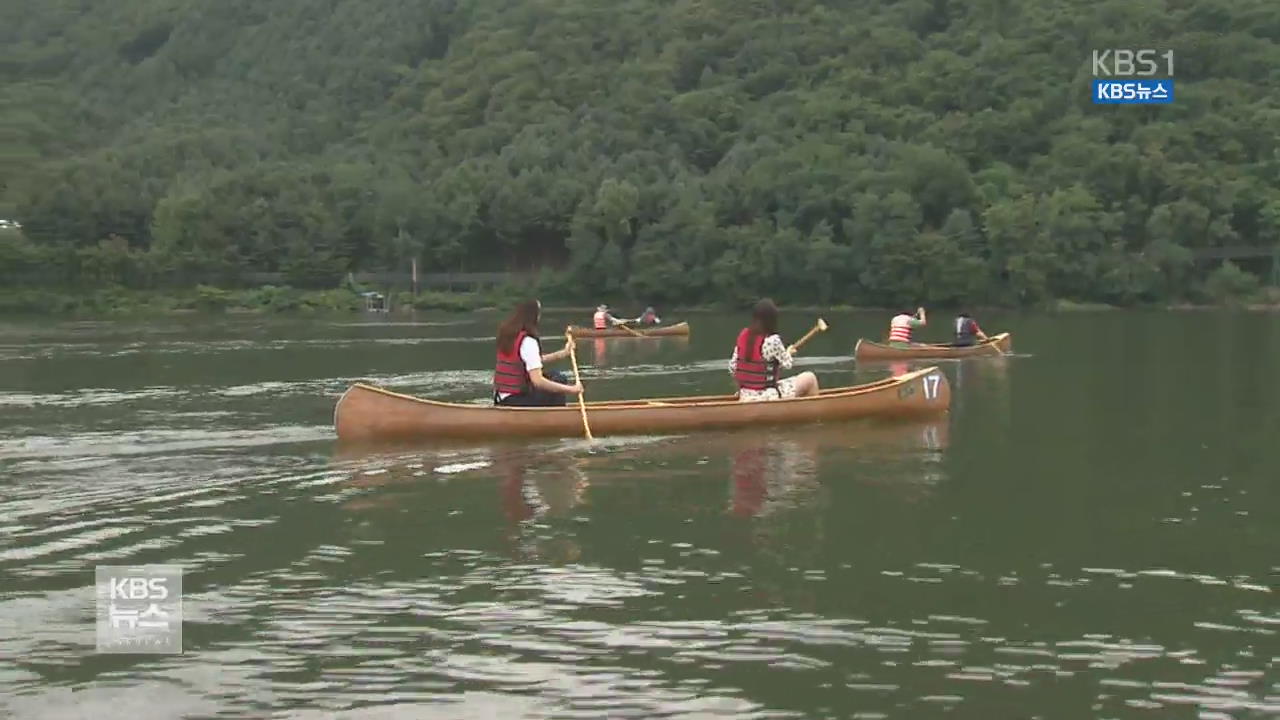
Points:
(751, 371)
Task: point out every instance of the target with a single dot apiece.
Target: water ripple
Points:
(639, 577)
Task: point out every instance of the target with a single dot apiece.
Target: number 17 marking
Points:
(931, 387)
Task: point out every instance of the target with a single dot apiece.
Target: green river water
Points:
(1092, 532)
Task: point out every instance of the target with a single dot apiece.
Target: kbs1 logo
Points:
(139, 609)
(1114, 81)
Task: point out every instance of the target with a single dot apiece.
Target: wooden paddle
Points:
(996, 345)
(582, 403)
(623, 325)
(821, 326)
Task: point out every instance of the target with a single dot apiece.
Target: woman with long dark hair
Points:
(518, 379)
(759, 356)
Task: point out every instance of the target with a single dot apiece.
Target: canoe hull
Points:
(871, 350)
(365, 413)
(658, 331)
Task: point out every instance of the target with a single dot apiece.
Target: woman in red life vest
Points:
(760, 355)
(518, 380)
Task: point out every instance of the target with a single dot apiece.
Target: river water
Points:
(1092, 532)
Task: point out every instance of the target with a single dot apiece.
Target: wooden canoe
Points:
(613, 332)
(871, 350)
(365, 413)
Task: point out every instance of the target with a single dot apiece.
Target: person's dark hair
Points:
(764, 319)
(963, 315)
(523, 317)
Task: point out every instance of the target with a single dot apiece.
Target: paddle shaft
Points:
(819, 327)
(623, 325)
(582, 403)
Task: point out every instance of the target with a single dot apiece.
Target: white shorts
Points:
(786, 389)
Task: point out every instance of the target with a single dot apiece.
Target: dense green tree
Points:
(923, 151)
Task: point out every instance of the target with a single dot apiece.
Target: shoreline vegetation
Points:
(283, 300)
(678, 154)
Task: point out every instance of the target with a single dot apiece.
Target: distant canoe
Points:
(651, 331)
(871, 350)
(366, 413)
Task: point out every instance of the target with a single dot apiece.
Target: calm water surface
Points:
(1093, 532)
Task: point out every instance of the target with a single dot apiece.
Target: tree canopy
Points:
(678, 151)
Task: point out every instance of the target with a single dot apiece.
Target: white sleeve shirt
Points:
(774, 350)
(531, 354)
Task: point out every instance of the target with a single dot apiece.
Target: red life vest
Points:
(751, 371)
(510, 376)
(601, 320)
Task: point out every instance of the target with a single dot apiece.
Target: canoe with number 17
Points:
(366, 413)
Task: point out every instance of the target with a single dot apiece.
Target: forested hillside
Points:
(675, 151)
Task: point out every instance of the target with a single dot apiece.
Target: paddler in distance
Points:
(902, 325)
(603, 319)
(967, 331)
(648, 317)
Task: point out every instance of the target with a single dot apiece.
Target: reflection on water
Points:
(534, 485)
(530, 499)
(620, 352)
(770, 473)
(1074, 540)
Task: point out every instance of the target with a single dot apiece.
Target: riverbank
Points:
(205, 299)
(274, 299)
